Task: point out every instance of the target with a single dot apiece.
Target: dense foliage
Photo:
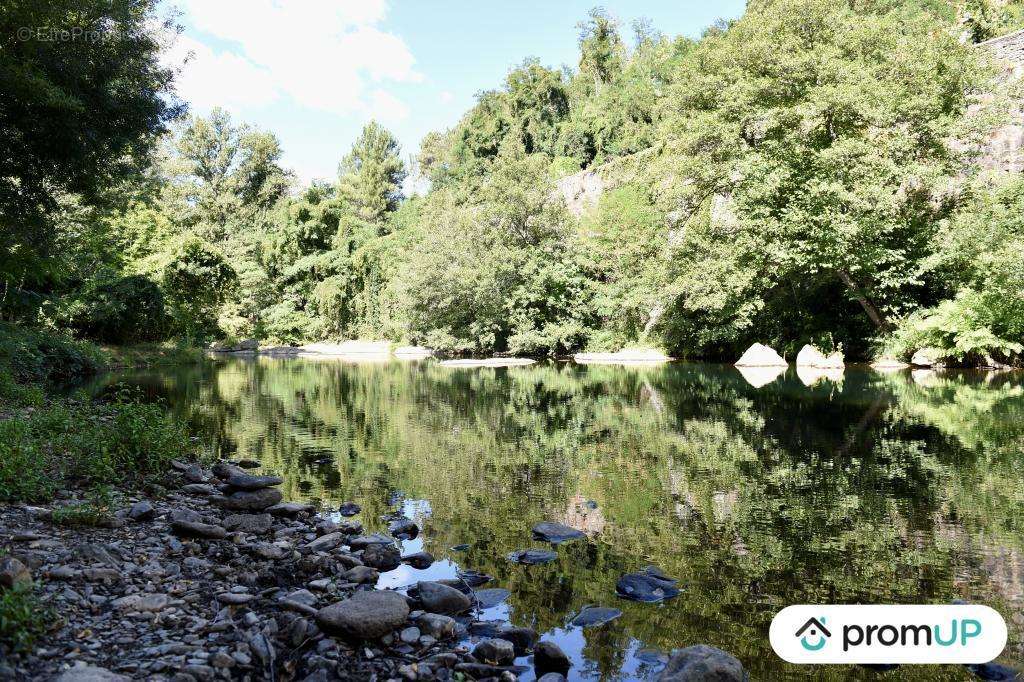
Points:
(801, 174)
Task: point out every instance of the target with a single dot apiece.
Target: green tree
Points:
(84, 99)
(825, 127)
(372, 173)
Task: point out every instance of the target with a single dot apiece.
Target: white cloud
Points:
(386, 108)
(446, 96)
(321, 54)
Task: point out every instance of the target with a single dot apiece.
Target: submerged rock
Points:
(760, 355)
(366, 615)
(491, 597)
(532, 556)
(474, 578)
(701, 662)
(555, 533)
(592, 616)
(649, 586)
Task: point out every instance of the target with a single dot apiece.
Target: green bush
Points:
(33, 355)
(126, 310)
(966, 330)
(66, 443)
(23, 618)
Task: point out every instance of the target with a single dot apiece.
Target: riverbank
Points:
(218, 579)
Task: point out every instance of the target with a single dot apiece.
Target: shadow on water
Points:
(755, 492)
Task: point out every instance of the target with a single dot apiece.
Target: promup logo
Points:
(814, 628)
(888, 634)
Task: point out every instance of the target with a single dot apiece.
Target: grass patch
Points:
(92, 512)
(23, 618)
(151, 355)
(84, 444)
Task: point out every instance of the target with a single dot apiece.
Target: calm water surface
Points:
(863, 488)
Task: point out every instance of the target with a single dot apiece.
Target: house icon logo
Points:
(815, 631)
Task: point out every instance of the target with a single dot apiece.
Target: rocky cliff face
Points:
(1003, 150)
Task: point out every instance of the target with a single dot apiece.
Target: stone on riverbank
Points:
(254, 500)
(242, 481)
(365, 615)
(90, 673)
(349, 509)
(700, 663)
(403, 529)
(760, 355)
(928, 357)
(14, 574)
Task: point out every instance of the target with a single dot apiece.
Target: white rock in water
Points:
(626, 356)
(888, 364)
(489, 362)
(809, 356)
(760, 355)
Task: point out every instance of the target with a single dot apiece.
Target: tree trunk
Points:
(874, 313)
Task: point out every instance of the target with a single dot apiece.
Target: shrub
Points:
(23, 618)
(964, 328)
(33, 355)
(126, 310)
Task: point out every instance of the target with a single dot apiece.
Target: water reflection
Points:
(876, 489)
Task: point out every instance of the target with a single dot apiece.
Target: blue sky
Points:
(314, 71)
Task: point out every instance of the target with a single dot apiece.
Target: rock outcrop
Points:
(809, 356)
(760, 355)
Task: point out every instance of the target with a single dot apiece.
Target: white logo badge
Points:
(888, 634)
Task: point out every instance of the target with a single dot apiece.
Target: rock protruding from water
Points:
(809, 356)
(495, 652)
(349, 509)
(382, 557)
(242, 481)
(252, 500)
(593, 616)
(548, 657)
(403, 528)
(701, 663)
(649, 586)
(438, 598)
(531, 557)
(760, 355)
(365, 615)
(555, 533)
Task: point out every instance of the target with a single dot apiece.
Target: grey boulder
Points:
(440, 598)
(702, 663)
(365, 615)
